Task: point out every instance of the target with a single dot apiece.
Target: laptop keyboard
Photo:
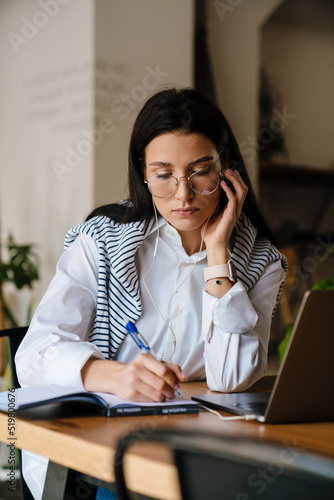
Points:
(258, 408)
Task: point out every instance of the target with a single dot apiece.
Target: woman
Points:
(188, 257)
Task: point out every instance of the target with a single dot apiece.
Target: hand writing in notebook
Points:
(143, 344)
(147, 378)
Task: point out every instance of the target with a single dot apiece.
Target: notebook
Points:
(39, 396)
(304, 387)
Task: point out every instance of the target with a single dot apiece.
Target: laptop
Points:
(304, 387)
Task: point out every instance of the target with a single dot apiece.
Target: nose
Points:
(183, 191)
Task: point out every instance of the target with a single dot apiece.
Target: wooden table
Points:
(87, 443)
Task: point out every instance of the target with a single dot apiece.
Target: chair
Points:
(15, 337)
(216, 467)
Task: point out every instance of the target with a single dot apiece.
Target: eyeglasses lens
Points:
(204, 182)
(163, 186)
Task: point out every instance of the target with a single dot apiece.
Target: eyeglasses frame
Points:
(220, 175)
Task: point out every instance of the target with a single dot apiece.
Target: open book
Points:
(106, 404)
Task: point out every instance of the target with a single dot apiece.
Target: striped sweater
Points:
(118, 284)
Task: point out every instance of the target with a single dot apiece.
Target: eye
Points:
(202, 173)
(162, 176)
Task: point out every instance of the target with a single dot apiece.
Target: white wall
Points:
(300, 64)
(46, 87)
(63, 64)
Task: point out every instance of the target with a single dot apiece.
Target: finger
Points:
(239, 186)
(148, 392)
(157, 375)
(231, 205)
(235, 178)
(141, 391)
(169, 372)
(131, 387)
(144, 385)
(178, 372)
(240, 183)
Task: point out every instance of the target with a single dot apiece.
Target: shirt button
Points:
(170, 232)
(178, 311)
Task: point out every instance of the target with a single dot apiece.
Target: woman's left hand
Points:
(219, 228)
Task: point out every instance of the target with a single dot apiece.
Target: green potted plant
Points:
(20, 268)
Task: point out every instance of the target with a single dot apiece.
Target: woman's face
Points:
(181, 155)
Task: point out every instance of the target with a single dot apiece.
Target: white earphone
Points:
(169, 322)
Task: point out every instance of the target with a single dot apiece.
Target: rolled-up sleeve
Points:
(56, 346)
(236, 330)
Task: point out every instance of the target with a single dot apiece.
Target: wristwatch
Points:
(221, 271)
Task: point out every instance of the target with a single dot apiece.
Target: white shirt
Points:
(224, 340)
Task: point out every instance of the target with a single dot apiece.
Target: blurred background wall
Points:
(75, 73)
(73, 76)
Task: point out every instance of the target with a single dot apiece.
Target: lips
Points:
(186, 211)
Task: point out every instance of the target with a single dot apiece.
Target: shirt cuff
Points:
(233, 313)
(65, 361)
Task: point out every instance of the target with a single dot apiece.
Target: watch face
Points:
(233, 271)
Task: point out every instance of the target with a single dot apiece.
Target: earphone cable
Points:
(169, 322)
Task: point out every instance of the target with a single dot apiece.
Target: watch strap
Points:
(219, 271)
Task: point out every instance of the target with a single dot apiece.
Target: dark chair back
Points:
(216, 467)
(15, 337)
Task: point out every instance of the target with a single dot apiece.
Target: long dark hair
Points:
(186, 111)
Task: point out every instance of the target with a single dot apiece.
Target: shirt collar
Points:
(171, 236)
(161, 222)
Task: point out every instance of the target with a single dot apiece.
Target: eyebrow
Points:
(191, 164)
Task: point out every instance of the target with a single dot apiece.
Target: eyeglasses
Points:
(165, 185)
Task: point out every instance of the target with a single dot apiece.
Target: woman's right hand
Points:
(143, 379)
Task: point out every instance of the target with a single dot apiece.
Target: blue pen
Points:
(139, 339)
